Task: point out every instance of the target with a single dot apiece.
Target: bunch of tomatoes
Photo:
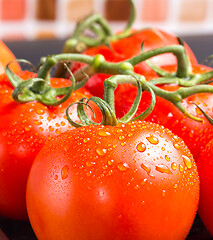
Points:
(106, 176)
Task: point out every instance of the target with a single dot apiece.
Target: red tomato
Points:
(7, 56)
(195, 134)
(131, 46)
(130, 181)
(205, 167)
(23, 131)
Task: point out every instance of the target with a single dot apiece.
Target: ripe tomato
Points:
(195, 134)
(23, 131)
(131, 46)
(131, 181)
(7, 56)
(205, 167)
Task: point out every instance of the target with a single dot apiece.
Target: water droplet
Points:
(101, 151)
(187, 161)
(90, 164)
(37, 122)
(64, 172)
(163, 193)
(28, 128)
(152, 139)
(198, 111)
(58, 131)
(181, 167)
(62, 123)
(51, 128)
(163, 169)
(121, 137)
(141, 147)
(85, 140)
(123, 166)
(167, 158)
(110, 162)
(176, 146)
(146, 168)
(174, 166)
(104, 133)
(40, 111)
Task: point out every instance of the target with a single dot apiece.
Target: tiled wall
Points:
(36, 19)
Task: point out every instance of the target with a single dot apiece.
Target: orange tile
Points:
(193, 10)
(78, 9)
(154, 10)
(12, 9)
(117, 10)
(45, 35)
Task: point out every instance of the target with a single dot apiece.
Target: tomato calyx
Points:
(99, 32)
(92, 31)
(38, 88)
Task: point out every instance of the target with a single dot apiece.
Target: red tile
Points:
(12, 9)
(154, 10)
(46, 9)
(117, 10)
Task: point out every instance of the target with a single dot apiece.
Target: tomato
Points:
(205, 167)
(195, 134)
(131, 46)
(7, 56)
(130, 181)
(23, 131)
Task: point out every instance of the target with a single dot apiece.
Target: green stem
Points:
(183, 67)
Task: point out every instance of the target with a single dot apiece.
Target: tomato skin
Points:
(7, 56)
(205, 168)
(129, 181)
(129, 47)
(24, 130)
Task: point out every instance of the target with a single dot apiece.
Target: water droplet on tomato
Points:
(174, 166)
(85, 140)
(64, 172)
(152, 139)
(28, 128)
(146, 168)
(163, 169)
(123, 166)
(121, 137)
(40, 111)
(141, 147)
(144, 181)
(187, 161)
(51, 128)
(62, 123)
(37, 122)
(90, 164)
(41, 129)
(167, 158)
(104, 133)
(163, 193)
(181, 167)
(176, 146)
(110, 162)
(101, 151)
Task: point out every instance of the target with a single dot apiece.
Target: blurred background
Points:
(36, 20)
